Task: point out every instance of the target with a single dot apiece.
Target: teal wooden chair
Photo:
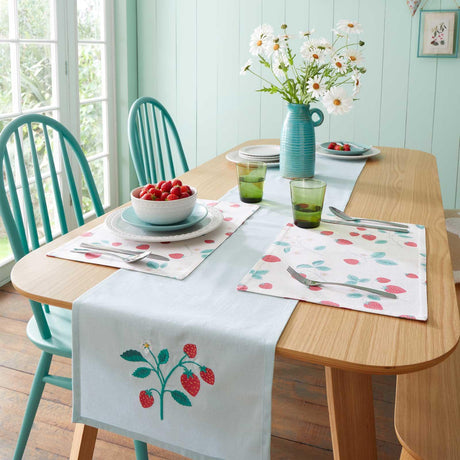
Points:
(36, 154)
(154, 156)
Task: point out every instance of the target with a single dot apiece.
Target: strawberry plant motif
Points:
(153, 367)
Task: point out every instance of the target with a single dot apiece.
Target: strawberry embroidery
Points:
(190, 350)
(207, 375)
(156, 366)
(190, 382)
(146, 398)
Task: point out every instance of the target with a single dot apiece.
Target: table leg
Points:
(351, 414)
(84, 439)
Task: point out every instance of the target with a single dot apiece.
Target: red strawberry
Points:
(331, 145)
(146, 398)
(190, 382)
(207, 375)
(176, 182)
(190, 350)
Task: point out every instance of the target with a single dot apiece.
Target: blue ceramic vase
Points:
(297, 143)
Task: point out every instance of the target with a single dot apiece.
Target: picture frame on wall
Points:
(438, 33)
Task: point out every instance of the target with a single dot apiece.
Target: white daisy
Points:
(246, 67)
(276, 46)
(306, 34)
(322, 43)
(146, 345)
(312, 53)
(340, 64)
(280, 63)
(357, 82)
(316, 87)
(337, 101)
(260, 39)
(354, 56)
(349, 27)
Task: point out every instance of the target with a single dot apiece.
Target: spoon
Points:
(128, 259)
(344, 216)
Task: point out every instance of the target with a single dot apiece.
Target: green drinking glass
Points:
(251, 178)
(307, 197)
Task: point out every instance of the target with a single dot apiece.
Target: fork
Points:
(128, 259)
(100, 247)
(310, 282)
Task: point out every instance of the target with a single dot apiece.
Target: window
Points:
(56, 58)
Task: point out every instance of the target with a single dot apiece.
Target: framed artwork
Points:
(438, 33)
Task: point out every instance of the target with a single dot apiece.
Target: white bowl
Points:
(163, 212)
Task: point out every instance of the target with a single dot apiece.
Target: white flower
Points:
(306, 34)
(246, 67)
(146, 345)
(354, 56)
(280, 63)
(276, 46)
(337, 101)
(357, 82)
(340, 64)
(260, 39)
(323, 43)
(312, 53)
(349, 27)
(316, 87)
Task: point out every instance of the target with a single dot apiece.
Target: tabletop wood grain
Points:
(399, 185)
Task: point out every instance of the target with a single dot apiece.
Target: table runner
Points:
(184, 256)
(131, 325)
(389, 261)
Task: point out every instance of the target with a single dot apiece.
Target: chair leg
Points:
(141, 450)
(32, 404)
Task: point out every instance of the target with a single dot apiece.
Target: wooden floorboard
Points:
(300, 421)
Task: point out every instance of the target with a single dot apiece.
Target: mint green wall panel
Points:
(248, 98)
(185, 118)
(395, 71)
(228, 76)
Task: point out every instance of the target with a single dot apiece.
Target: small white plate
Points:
(266, 150)
(370, 153)
(234, 157)
(117, 225)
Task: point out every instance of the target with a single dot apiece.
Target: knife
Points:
(121, 251)
(356, 224)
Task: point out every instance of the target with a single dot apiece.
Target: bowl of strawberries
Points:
(164, 203)
(344, 148)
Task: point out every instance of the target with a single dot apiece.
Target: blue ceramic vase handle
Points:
(320, 115)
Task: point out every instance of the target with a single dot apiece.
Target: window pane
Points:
(98, 168)
(36, 75)
(90, 71)
(91, 128)
(6, 97)
(4, 19)
(34, 18)
(90, 15)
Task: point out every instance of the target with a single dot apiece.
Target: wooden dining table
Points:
(398, 185)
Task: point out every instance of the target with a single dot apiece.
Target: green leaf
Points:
(181, 398)
(386, 262)
(132, 355)
(142, 372)
(377, 255)
(163, 356)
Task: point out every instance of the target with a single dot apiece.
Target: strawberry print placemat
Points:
(184, 256)
(389, 261)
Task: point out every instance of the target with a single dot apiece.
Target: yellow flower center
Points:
(315, 56)
(357, 82)
(276, 46)
(351, 25)
(337, 102)
(315, 86)
(259, 43)
(352, 58)
(338, 64)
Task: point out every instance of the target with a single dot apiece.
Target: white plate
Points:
(117, 225)
(234, 157)
(370, 153)
(265, 150)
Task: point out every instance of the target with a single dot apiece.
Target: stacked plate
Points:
(265, 153)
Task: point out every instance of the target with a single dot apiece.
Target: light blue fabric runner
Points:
(235, 334)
